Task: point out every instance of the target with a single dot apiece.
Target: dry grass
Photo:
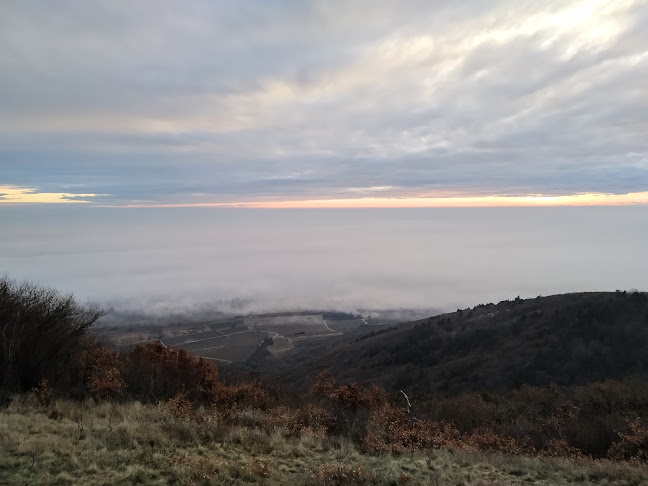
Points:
(68, 442)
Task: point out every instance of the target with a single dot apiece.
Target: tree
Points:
(41, 331)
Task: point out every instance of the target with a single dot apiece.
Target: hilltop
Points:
(568, 339)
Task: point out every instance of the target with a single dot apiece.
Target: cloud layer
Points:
(251, 260)
(164, 102)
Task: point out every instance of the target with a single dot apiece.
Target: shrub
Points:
(103, 378)
(156, 372)
(180, 407)
(633, 444)
(390, 429)
(342, 475)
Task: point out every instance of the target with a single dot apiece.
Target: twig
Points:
(409, 405)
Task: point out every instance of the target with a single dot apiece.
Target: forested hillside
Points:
(565, 339)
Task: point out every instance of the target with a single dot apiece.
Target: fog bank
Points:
(244, 260)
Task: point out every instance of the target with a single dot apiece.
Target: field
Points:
(345, 325)
(291, 326)
(280, 345)
(70, 443)
(234, 339)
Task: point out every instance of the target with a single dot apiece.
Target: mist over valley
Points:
(195, 263)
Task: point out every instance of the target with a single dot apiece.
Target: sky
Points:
(158, 154)
(323, 103)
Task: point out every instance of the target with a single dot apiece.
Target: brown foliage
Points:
(156, 372)
(350, 395)
(180, 406)
(555, 421)
(44, 392)
(404, 478)
(107, 384)
(103, 378)
(633, 445)
(242, 394)
(586, 417)
(560, 448)
(390, 429)
(323, 386)
(342, 474)
(259, 468)
(488, 440)
(552, 421)
(310, 418)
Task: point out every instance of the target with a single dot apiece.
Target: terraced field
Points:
(236, 346)
(189, 338)
(344, 325)
(280, 345)
(235, 339)
(290, 326)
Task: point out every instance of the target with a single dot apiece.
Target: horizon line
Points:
(531, 200)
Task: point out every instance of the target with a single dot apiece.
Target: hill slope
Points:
(564, 339)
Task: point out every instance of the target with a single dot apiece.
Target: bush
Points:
(633, 445)
(342, 474)
(154, 372)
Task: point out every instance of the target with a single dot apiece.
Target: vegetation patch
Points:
(158, 415)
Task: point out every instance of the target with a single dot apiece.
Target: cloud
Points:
(282, 259)
(423, 201)
(368, 190)
(170, 103)
(16, 195)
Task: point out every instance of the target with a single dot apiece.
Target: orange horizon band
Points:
(589, 199)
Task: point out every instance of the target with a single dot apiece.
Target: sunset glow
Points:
(458, 202)
(593, 199)
(12, 194)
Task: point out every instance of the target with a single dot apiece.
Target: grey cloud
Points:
(161, 100)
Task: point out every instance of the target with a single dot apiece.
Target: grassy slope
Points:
(79, 443)
(565, 339)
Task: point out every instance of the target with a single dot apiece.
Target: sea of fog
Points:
(255, 260)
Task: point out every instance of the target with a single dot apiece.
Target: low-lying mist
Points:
(235, 261)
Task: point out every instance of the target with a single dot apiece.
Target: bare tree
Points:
(40, 332)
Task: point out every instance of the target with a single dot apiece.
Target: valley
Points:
(234, 339)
